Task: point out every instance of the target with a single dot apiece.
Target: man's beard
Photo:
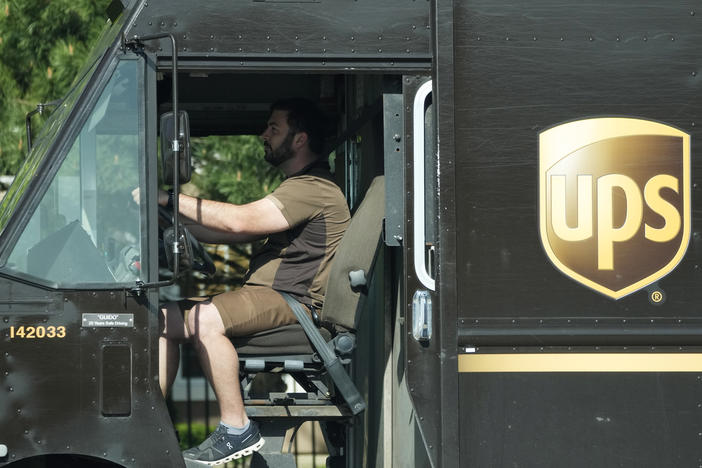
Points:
(282, 153)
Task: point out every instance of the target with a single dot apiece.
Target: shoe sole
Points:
(241, 453)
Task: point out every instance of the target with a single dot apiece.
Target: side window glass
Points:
(86, 230)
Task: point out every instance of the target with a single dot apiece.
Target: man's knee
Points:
(204, 320)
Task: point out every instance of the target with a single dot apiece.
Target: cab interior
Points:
(224, 104)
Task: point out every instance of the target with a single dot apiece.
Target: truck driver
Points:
(303, 220)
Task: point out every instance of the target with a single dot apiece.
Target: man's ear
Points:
(300, 139)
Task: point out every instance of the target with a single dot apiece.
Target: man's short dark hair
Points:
(304, 116)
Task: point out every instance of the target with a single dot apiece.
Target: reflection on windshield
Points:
(87, 230)
(50, 131)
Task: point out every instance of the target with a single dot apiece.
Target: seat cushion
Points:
(288, 339)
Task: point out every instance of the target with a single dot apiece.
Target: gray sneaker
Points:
(221, 447)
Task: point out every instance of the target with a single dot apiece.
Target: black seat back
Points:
(353, 262)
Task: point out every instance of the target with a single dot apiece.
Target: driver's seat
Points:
(291, 349)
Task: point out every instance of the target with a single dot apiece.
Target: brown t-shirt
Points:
(297, 261)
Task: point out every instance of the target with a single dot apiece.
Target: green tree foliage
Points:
(43, 43)
(231, 168)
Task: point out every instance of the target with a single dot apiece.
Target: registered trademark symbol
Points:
(656, 297)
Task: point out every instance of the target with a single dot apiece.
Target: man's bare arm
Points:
(250, 221)
(212, 236)
(225, 223)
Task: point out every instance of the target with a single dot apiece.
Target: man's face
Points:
(277, 139)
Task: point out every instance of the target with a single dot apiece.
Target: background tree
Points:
(42, 45)
(231, 168)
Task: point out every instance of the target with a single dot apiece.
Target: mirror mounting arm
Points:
(41, 107)
(137, 42)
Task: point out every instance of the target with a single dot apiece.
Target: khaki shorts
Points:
(246, 311)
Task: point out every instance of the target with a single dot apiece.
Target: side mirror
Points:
(186, 256)
(167, 153)
(192, 257)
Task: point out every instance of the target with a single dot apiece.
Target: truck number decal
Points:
(39, 331)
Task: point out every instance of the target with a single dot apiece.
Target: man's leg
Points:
(236, 436)
(173, 332)
(219, 361)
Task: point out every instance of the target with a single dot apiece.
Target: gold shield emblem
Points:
(614, 198)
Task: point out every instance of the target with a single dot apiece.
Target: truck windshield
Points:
(86, 231)
(56, 120)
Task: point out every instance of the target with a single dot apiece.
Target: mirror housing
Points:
(186, 255)
(167, 153)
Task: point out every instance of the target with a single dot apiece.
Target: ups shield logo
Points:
(614, 201)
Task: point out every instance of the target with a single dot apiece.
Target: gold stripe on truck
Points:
(581, 362)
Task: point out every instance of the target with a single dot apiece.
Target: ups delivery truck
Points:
(519, 283)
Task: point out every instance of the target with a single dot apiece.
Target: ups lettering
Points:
(607, 232)
(614, 201)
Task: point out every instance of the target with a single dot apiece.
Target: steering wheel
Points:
(194, 255)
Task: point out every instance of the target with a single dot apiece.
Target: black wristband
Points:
(170, 200)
